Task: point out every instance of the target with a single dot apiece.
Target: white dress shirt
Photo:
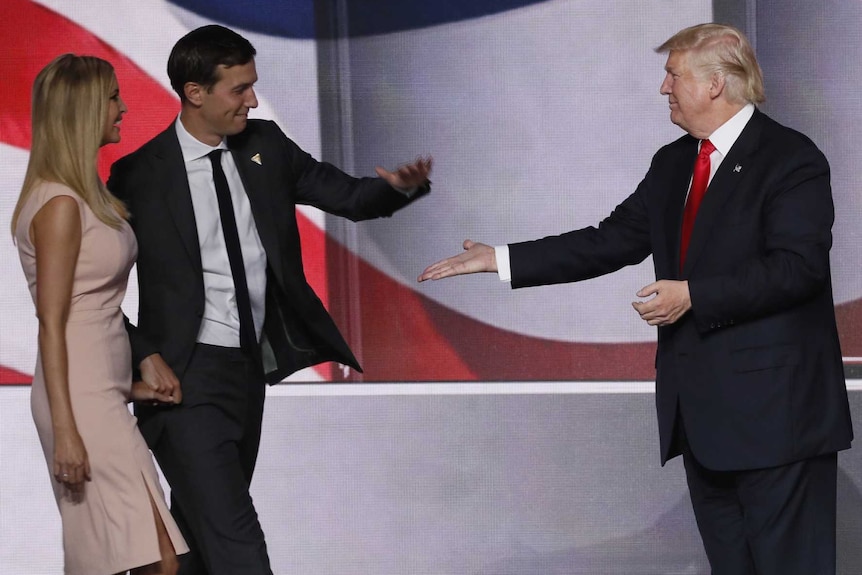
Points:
(220, 323)
(723, 139)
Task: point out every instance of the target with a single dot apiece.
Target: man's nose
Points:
(664, 89)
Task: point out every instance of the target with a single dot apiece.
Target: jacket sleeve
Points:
(621, 239)
(324, 186)
(141, 346)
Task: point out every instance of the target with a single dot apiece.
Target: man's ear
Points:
(716, 85)
(194, 93)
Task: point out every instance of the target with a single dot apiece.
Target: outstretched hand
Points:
(672, 300)
(476, 258)
(408, 176)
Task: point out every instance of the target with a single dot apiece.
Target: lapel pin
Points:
(256, 159)
(737, 168)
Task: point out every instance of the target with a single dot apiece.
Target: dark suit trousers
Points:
(775, 521)
(207, 451)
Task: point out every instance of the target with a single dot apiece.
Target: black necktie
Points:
(247, 332)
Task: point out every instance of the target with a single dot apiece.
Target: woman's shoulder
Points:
(41, 193)
(44, 191)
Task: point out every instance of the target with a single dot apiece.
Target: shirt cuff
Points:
(504, 268)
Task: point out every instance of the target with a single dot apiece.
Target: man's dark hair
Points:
(197, 56)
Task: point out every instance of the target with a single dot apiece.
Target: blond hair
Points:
(720, 49)
(70, 109)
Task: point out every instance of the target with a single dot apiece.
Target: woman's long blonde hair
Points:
(70, 109)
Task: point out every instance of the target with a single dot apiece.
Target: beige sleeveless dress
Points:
(110, 527)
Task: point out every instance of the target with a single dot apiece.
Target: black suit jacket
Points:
(277, 175)
(755, 367)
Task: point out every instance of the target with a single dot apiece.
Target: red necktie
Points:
(699, 181)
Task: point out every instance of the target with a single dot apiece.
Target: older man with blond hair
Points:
(750, 389)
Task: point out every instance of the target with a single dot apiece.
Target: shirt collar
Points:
(727, 134)
(192, 148)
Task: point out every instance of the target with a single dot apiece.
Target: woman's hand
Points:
(71, 464)
(145, 395)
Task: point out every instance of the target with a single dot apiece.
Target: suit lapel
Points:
(176, 193)
(250, 162)
(726, 182)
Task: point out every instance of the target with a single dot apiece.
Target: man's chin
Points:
(237, 127)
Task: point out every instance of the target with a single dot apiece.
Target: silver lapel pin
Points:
(256, 159)
(737, 168)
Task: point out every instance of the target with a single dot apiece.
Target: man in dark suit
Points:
(224, 303)
(749, 383)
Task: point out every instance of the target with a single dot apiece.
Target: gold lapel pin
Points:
(256, 159)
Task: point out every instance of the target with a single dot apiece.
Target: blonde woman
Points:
(76, 249)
